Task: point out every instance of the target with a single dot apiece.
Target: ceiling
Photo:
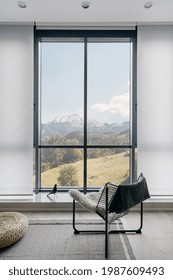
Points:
(100, 12)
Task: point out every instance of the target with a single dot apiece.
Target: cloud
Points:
(119, 104)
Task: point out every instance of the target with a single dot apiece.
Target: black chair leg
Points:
(131, 230)
(76, 231)
(141, 219)
(106, 231)
(106, 226)
(74, 227)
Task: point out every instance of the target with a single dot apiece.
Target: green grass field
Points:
(112, 168)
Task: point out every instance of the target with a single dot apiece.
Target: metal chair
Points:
(111, 203)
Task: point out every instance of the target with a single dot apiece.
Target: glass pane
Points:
(62, 97)
(63, 167)
(107, 165)
(109, 70)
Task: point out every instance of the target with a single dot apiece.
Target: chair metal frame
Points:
(107, 231)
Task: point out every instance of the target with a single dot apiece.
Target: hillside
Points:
(112, 168)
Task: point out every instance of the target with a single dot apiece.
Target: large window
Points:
(85, 122)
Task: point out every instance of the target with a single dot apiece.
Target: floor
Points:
(155, 242)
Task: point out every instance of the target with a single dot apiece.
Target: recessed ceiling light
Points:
(148, 4)
(22, 4)
(85, 5)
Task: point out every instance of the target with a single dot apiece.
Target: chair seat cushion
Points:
(12, 227)
(88, 201)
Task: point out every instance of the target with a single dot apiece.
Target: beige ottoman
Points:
(12, 227)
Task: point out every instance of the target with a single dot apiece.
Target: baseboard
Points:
(67, 206)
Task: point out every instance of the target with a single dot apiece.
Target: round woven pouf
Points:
(12, 227)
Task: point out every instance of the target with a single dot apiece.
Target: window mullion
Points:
(36, 115)
(134, 109)
(85, 115)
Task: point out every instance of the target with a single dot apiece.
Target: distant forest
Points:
(52, 157)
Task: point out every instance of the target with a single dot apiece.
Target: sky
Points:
(108, 80)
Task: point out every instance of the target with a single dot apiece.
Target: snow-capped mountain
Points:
(73, 120)
(63, 125)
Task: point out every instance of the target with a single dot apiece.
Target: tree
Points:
(68, 176)
(72, 155)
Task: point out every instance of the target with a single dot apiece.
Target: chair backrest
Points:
(121, 198)
(129, 195)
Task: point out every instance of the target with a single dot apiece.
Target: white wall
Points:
(155, 107)
(16, 109)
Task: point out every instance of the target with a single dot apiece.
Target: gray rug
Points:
(53, 240)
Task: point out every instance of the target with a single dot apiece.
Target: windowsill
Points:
(65, 197)
(160, 199)
(63, 202)
(40, 197)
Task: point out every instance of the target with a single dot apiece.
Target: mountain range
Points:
(63, 125)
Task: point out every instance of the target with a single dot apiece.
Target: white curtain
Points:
(155, 107)
(16, 110)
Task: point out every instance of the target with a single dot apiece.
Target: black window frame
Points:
(39, 34)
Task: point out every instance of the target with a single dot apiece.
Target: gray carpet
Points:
(53, 240)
